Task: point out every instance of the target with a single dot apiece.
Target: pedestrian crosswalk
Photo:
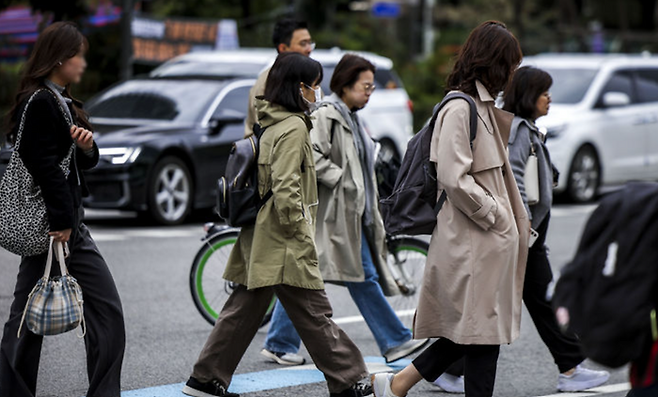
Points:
(268, 380)
(254, 382)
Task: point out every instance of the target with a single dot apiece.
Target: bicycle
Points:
(406, 261)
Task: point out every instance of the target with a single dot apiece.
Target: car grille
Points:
(106, 192)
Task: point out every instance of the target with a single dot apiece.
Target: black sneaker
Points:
(210, 389)
(358, 390)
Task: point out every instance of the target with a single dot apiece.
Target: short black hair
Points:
(521, 95)
(284, 29)
(347, 72)
(290, 69)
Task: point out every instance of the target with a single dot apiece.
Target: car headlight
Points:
(120, 155)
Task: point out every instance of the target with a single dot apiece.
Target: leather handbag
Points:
(55, 304)
(23, 218)
(531, 178)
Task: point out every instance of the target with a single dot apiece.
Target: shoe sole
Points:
(196, 393)
(278, 360)
(406, 353)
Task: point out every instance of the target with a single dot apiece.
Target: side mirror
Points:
(615, 99)
(224, 118)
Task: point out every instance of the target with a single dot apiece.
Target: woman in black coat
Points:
(53, 122)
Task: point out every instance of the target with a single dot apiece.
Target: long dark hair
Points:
(57, 43)
(290, 69)
(490, 55)
(522, 93)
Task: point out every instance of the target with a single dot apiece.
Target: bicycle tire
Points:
(207, 274)
(406, 259)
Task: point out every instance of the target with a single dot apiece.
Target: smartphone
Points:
(533, 237)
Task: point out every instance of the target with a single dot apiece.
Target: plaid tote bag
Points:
(55, 304)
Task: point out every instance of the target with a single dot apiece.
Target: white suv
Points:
(602, 128)
(387, 116)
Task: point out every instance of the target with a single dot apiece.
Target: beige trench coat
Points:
(341, 194)
(257, 90)
(280, 247)
(473, 280)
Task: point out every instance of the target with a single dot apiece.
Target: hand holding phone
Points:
(533, 237)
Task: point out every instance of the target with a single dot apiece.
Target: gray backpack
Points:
(412, 207)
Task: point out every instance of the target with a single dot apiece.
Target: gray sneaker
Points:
(405, 349)
(582, 379)
(283, 358)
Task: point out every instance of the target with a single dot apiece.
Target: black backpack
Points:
(606, 294)
(412, 207)
(238, 200)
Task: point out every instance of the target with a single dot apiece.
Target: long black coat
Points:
(45, 141)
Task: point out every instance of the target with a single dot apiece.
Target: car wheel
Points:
(584, 175)
(170, 191)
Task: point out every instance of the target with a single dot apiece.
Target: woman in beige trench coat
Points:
(473, 282)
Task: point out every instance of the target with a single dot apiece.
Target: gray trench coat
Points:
(341, 196)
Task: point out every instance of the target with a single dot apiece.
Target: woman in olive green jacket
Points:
(350, 233)
(277, 254)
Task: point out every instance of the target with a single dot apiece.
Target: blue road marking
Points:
(262, 380)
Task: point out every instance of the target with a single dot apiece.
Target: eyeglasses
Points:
(307, 43)
(369, 88)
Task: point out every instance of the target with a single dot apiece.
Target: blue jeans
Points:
(368, 296)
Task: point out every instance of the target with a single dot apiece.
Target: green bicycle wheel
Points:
(209, 289)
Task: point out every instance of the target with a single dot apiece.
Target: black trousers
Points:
(538, 275)
(105, 337)
(564, 349)
(479, 364)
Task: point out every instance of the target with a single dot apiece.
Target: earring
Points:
(59, 63)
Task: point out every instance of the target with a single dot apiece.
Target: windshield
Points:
(570, 85)
(215, 70)
(180, 101)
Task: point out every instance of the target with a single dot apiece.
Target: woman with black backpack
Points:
(472, 285)
(278, 254)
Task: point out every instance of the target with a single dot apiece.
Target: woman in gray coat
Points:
(528, 98)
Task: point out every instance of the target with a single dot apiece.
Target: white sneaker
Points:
(450, 383)
(582, 379)
(283, 358)
(381, 385)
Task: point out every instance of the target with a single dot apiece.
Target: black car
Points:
(164, 143)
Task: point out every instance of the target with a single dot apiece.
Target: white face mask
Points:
(318, 97)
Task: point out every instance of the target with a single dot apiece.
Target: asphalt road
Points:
(165, 332)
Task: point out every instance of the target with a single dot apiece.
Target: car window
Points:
(235, 102)
(647, 85)
(620, 81)
(216, 70)
(166, 100)
(570, 85)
